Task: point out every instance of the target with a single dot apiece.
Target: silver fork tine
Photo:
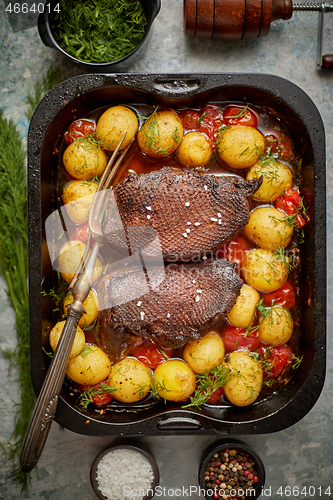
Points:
(102, 185)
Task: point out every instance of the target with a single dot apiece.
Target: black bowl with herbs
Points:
(100, 35)
(231, 469)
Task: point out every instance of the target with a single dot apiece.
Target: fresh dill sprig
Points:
(98, 390)
(207, 384)
(14, 268)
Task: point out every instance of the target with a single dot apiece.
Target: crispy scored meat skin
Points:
(190, 300)
(192, 214)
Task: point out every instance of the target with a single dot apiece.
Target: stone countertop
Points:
(299, 456)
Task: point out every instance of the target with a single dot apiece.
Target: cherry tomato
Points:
(100, 398)
(284, 296)
(234, 251)
(240, 115)
(81, 233)
(216, 396)
(190, 119)
(150, 354)
(281, 145)
(236, 338)
(290, 202)
(275, 359)
(79, 128)
(210, 121)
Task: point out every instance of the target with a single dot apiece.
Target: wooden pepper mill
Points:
(242, 19)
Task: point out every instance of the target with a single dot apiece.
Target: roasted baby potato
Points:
(174, 380)
(112, 125)
(264, 270)
(78, 197)
(276, 328)
(243, 312)
(203, 354)
(90, 367)
(246, 380)
(70, 257)
(276, 178)
(79, 339)
(131, 379)
(268, 228)
(84, 159)
(194, 150)
(240, 146)
(91, 306)
(161, 134)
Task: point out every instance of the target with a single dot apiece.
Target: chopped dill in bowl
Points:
(99, 31)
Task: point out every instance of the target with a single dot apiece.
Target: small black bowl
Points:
(241, 448)
(150, 7)
(136, 449)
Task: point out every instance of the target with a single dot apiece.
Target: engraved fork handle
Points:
(47, 401)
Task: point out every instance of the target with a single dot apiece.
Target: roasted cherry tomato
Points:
(210, 121)
(79, 128)
(240, 115)
(81, 233)
(284, 296)
(291, 203)
(99, 394)
(280, 144)
(216, 396)
(150, 354)
(236, 338)
(274, 359)
(190, 119)
(234, 251)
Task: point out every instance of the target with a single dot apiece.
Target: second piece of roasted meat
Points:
(192, 214)
(184, 306)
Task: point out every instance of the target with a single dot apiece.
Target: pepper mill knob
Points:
(233, 19)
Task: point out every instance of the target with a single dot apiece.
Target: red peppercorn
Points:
(216, 495)
(255, 479)
(217, 464)
(246, 473)
(211, 473)
(242, 464)
(217, 481)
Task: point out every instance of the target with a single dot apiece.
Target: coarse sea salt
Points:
(122, 471)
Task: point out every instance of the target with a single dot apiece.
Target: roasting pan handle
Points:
(179, 423)
(177, 86)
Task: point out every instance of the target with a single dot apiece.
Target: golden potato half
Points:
(84, 159)
(131, 379)
(161, 134)
(243, 312)
(79, 339)
(112, 125)
(203, 354)
(246, 380)
(78, 196)
(91, 306)
(90, 367)
(194, 150)
(276, 328)
(174, 380)
(240, 146)
(276, 178)
(264, 270)
(268, 228)
(70, 257)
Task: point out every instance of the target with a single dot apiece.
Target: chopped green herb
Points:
(99, 31)
(207, 384)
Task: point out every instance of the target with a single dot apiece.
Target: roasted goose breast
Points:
(184, 306)
(192, 214)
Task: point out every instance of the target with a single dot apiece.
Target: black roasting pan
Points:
(77, 98)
